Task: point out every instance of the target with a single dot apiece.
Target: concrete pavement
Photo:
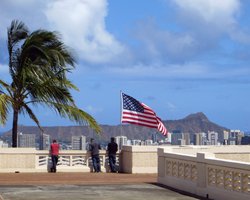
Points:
(88, 186)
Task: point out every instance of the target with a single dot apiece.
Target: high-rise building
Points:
(44, 143)
(200, 139)
(181, 142)
(212, 138)
(175, 137)
(225, 137)
(3, 144)
(129, 142)
(235, 137)
(121, 140)
(169, 138)
(78, 142)
(148, 142)
(26, 140)
(179, 138)
(135, 142)
(186, 138)
(154, 137)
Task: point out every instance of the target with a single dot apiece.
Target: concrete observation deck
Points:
(107, 186)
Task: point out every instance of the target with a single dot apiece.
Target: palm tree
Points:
(38, 65)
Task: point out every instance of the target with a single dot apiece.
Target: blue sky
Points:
(178, 57)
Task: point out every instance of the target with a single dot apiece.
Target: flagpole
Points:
(120, 113)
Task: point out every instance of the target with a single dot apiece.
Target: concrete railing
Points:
(203, 174)
(32, 160)
(131, 159)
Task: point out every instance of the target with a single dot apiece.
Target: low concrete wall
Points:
(193, 149)
(139, 159)
(228, 152)
(204, 174)
(32, 160)
(17, 159)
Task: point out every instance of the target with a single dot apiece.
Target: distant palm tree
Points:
(38, 64)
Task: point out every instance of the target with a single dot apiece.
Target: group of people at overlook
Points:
(94, 148)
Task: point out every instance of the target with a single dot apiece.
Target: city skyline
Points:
(178, 57)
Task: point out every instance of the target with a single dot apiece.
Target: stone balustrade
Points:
(200, 171)
(131, 159)
(32, 160)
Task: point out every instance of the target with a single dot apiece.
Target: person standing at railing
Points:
(94, 149)
(54, 151)
(112, 149)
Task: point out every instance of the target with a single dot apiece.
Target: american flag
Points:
(134, 112)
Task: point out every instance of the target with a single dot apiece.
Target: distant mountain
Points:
(193, 123)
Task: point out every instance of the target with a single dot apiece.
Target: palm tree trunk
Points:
(14, 128)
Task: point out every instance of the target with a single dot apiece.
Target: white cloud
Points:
(204, 26)
(82, 23)
(190, 70)
(158, 44)
(221, 13)
(210, 19)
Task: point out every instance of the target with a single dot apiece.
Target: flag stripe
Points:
(162, 128)
(139, 116)
(139, 123)
(134, 112)
(141, 120)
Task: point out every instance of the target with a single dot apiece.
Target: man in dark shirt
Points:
(112, 149)
(94, 148)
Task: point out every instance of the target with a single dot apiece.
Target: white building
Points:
(44, 141)
(135, 142)
(78, 142)
(212, 138)
(200, 139)
(178, 138)
(26, 140)
(121, 140)
(3, 144)
(225, 137)
(235, 137)
(148, 142)
(169, 138)
(175, 138)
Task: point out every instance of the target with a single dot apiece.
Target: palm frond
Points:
(7, 87)
(44, 46)
(17, 31)
(38, 65)
(51, 91)
(27, 109)
(4, 84)
(5, 106)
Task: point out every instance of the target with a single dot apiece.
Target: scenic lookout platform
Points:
(145, 172)
(107, 186)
